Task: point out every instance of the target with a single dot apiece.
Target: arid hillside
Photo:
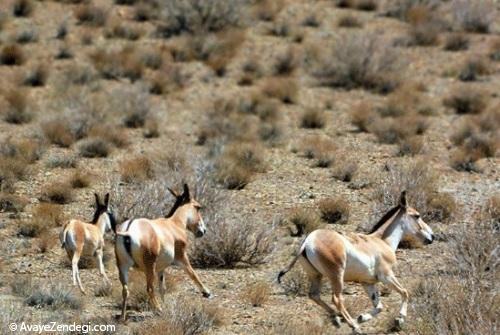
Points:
(283, 116)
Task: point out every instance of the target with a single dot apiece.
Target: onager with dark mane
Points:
(366, 259)
(151, 245)
(78, 237)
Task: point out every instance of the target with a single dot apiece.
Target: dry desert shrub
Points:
(267, 10)
(424, 26)
(65, 52)
(456, 42)
(311, 20)
(118, 29)
(18, 107)
(27, 35)
(251, 71)
(122, 63)
(465, 100)
(349, 21)
(43, 295)
(12, 203)
(466, 300)
(400, 8)
(473, 16)
(313, 118)
(334, 210)
(136, 169)
(58, 132)
(303, 221)
(79, 179)
(257, 294)
(363, 115)
(194, 17)
(320, 148)
(286, 63)
(115, 135)
(296, 327)
(12, 54)
(345, 169)
(44, 217)
(416, 177)
(94, 147)
(357, 60)
(57, 193)
(46, 242)
(22, 8)
(88, 14)
(473, 68)
(186, 317)
(37, 76)
(284, 89)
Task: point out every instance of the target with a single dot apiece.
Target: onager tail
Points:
(292, 263)
(63, 236)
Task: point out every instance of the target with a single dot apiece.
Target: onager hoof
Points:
(207, 295)
(364, 317)
(399, 322)
(336, 321)
(356, 330)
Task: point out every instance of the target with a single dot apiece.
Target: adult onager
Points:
(153, 245)
(78, 237)
(366, 259)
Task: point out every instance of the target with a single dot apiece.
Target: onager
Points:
(79, 237)
(153, 245)
(366, 259)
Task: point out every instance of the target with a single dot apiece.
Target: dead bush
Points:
(144, 12)
(257, 294)
(113, 64)
(362, 116)
(112, 134)
(411, 146)
(12, 169)
(37, 76)
(79, 179)
(495, 50)
(57, 192)
(90, 15)
(312, 21)
(185, 317)
(313, 118)
(357, 61)
(26, 36)
(53, 296)
(268, 10)
(18, 109)
(473, 16)
(136, 169)
(195, 17)
(123, 31)
(61, 161)
(334, 210)
(46, 242)
(473, 68)
(286, 63)
(424, 26)
(284, 89)
(151, 128)
(304, 221)
(319, 148)
(465, 100)
(349, 21)
(12, 54)
(58, 132)
(22, 8)
(345, 169)
(94, 147)
(12, 203)
(295, 283)
(456, 42)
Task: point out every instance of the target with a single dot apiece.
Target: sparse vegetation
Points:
(136, 169)
(334, 210)
(91, 15)
(57, 192)
(319, 148)
(456, 42)
(475, 16)
(313, 118)
(17, 110)
(94, 147)
(257, 294)
(466, 101)
(12, 55)
(304, 221)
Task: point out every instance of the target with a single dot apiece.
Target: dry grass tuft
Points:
(349, 21)
(284, 89)
(268, 10)
(257, 294)
(494, 52)
(22, 8)
(90, 15)
(334, 210)
(313, 118)
(12, 55)
(57, 192)
(58, 132)
(18, 109)
(424, 26)
(473, 68)
(136, 169)
(473, 16)
(94, 147)
(362, 116)
(113, 64)
(304, 221)
(44, 217)
(345, 169)
(12, 203)
(465, 100)
(456, 42)
(357, 61)
(321, 149)
(79, 179)
(37, 76)
(286, 63)
(118, 29)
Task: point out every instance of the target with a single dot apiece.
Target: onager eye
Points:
(417, 216)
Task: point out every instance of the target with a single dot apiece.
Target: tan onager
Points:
(153, 245)
(78, 237)
(366, 259)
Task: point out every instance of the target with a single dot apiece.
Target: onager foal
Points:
(366, 259)
(79, 237)
(153, 245)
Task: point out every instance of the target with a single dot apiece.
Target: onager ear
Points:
(402, 200)
(186, 192)
(96, 199)
(175, 194)
(106, 200)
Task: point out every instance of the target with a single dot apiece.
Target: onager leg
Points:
(394, 284)
(150, 281)
(315, 290)
(186, 265)
(76, 272)
(338, 300)
(161, 284)
(99, 254)
(374, 295)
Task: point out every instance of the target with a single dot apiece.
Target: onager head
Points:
(189, 211)
(413, 225)
(103, 214)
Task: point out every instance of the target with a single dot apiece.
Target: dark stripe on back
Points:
(384, 218)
